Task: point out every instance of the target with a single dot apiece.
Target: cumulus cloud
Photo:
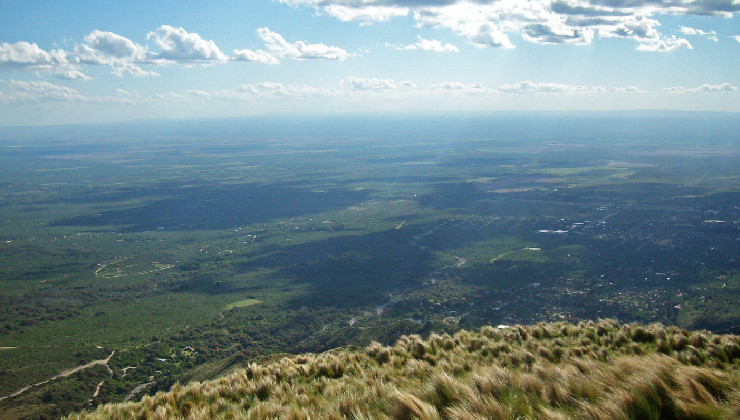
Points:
(119, 69)
(365, 11)
(198, 92)
(107, 48)
(529, 87)
(711, 35)
(540, 33)
(371, 84)
(626, 89)
(489, 22)
(665, 45)
(266, 90)
(172, 45)
(274, 89)
(179, 45)
(643, 30)
(167, 98)
(428, 45)
(258, 56)
(110, 49)
(299, 50)
(705, 88)
(532, 87)
(72, 74)
(380, 86)
(456, 86)
(175, 44)
(37, 91)
(26, 56)
(525, 88)
(737, 38)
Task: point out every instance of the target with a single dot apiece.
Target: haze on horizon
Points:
(80, 62)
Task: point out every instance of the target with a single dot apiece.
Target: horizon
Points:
(410, 116)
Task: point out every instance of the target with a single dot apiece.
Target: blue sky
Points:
(85, 61)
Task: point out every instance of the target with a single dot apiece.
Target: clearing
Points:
(241, 304)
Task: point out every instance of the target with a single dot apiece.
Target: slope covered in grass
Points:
(560, 370)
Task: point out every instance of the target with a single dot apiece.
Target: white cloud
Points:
(39, 91)
(25, 56)
(533, 87)
(264, 90)
(174, 45)
(299, 50)
(665, 45)
(488, 22)
(279, 47)
(351, 86)
(273, 89)
(372, 84)
(168, 98)
(737, 38)
(258, 56)
(626, 89)
(711, 35)
(705, 88)
(526, 88)
(179, 45)
(125, 56)
(201, 93)
(639, 28)
(540, 33)
(486, 35)
(130, 68)
(456, 86)
(364, 11)
(110, 49)
(428, 45)
(529, 87)
(72, 74)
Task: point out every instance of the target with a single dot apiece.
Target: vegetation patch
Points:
(241, 304)
(122, 267)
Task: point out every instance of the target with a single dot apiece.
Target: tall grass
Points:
(551, 371)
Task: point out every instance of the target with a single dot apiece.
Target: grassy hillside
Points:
(557, 370)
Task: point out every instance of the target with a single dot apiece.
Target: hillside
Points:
(557, 370)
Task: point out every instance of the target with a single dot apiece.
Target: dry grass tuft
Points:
(546, 371)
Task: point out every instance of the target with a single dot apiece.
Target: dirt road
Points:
(63, 374)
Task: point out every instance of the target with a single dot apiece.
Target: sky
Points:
(91, 61)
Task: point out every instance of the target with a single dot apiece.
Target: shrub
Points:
(640, 335)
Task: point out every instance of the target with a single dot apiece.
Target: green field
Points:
(241, 304)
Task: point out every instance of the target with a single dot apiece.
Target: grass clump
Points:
(555, 371)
